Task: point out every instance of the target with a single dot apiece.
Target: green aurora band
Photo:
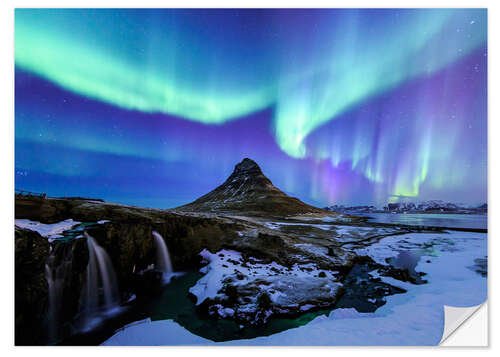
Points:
(179, 63)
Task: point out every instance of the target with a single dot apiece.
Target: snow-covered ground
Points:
(288, 289)
(278, 225)
(334, 217)
(50, 231)
(413, 318)
(340, 233)
(155, 333)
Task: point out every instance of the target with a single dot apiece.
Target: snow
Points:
(155, 333)
(224, 311)
(211, 283)
(306, 307)
(339, 232)
(412, 318)
(223, 264)
(313, 249)
(374, 274)
(427, 244)
(50, 231)
(356, 230)
(338, 218)
(277, 225)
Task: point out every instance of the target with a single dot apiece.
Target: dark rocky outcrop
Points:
(68, 263)
(31, 298)
(52, 210)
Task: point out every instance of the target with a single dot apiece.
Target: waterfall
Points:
(163, 262)
(52, 312)
(57, 273)
(101, 290)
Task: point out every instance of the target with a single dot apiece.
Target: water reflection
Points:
(477, 221)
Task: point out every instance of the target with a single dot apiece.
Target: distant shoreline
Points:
(417, 212)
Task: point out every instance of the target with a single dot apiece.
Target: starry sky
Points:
(338, 106)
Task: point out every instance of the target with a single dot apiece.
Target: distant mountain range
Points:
(431, 206)
(247, 190)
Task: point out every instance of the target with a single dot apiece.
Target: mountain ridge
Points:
(248, 190)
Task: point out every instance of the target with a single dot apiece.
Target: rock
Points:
(264, 301)
(31, 289)
(70, 259)
(263, 293)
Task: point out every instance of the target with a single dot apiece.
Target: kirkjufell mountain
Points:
(249, 190)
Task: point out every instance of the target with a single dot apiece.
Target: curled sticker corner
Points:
(454, 317)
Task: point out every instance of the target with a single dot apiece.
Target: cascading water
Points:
(101, 290)
(163, 262)
(57, 273)
(52, 317)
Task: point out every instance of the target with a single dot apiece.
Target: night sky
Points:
(155, 107)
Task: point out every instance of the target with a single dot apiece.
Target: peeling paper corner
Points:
(455, 317)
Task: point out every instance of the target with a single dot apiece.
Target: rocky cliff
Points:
(31, 252)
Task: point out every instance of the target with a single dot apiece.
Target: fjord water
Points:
(477, 221)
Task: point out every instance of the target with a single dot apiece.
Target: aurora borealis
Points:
(338, 106)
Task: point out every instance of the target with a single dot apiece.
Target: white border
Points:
(7, 178)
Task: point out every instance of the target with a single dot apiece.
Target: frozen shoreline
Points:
(413, 318)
